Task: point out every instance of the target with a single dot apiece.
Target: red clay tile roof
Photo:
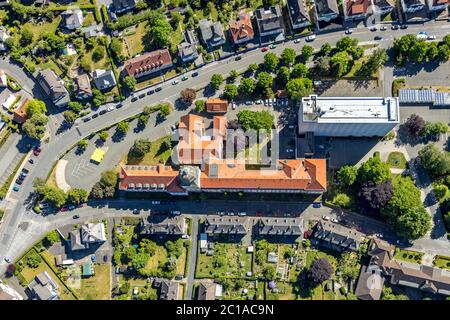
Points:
(20, 114)
(357, 7)
(216, 105)
(147, 62)
(242, 28)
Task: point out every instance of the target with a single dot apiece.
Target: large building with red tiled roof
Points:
(203, 169)
(355, 9)
(241, 29)
(148, 63)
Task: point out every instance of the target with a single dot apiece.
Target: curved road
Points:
(60, 143)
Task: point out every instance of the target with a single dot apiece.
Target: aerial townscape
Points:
(225, 150)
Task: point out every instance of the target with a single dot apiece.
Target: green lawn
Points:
(89, 19)
(97, 287)
(133, 38)
(396, 159)
(408, 255)
(286, 292)
(442, 262)
(234, 254)
(155, 156)
(39, 29)
(103, 63)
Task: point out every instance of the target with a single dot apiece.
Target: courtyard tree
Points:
(325, 49)
(347, 175)
(299, 71)
(247, 86)
(230, 92)
(188, 95)
(414, 125)
(283, 75)
(200, 105)
(298, 88)
(435, 161)
(340, 64)
(271, 61)
(374, 170)
(77, 196)
(288, 56)
(307, 52)
(216, 81)
(129, 82)
(321, 270)
(36, 106)
(140, 148)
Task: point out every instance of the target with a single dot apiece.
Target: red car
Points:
(37, 151)
(64, 209)
(264, 49)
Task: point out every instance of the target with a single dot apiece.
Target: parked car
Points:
(174, 82)
(432, 37)
(134, 99)
(378, 38)
(383, 28)
(185, 236)
(119, 105)
(317, 82)
(297, 40)
(150, 92)
(76, 217)
(105, 258)
(178, 277)
(422, 35)
(37, 151)
(237, 58)
(71, 207)
(242, 213)
(194, 74)
(327, 218)
(136, 211)
(403, 26)
(19, 181)
(175, 212)
(248, 102)
(233, 106)
(158, 89)
(231, 213)
(220, 213)
(311, 38)
(272, 46)
(111, 108)
(7, 259)
(156, 202)
(102, 112)
(349, 31)
(373, 28)
(95, 115)
(184, 78)
(141, 96)
(93, 258)
(264, 49)
(266, 102)
(317, 205)
(63, 209)
(25, 172)
(86, 119)
(394, 27)
(259, 102)
(335, 220)
(31, 160)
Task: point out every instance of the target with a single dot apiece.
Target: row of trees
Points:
(416, 127)
(56, 196)
(398, 200)
(411, 48)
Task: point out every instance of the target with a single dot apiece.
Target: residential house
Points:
(160, 225)
(148, 63)
(169, 290)
(83, 88)
(383, 6)
(337, 237)
(437, 5)
(3, 36)
(211, 33)
(123, 5)
(326, 10)
(53, 87)
(87, 236)
(216, 105)
(20, 114)
(73, 18)
(412, 6)
(412, 275)
(280, 227)
(104, 79)
(216, 174)
(241, 29)
(8, 293)
(348, 116)
(43, 287)
(226, 225)
(270, 22)
(4, 3)
(3, 79)
(91, 31)
(209, 291)
(356, 9)
(298, 13)
(187, 50)
(370, 284)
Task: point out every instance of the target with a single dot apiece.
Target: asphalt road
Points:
(60, 143)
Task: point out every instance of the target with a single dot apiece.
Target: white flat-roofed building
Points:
(348, 116)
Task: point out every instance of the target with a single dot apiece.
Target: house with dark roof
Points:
(72, 18)
(241, 29)
(187, 50)
(161, 225)
(209, 291)
(326, 10)
(270, 21)
(87, 236)
(415, 10)
(278, 227)
(226, 225)
(104, 79)
(91, 31)
(43, 287)
(382, 263)
(148, 63)
(336, 236)
(123, 5)
(298, 14)
(355, 9)
(83, 88)
(384, 6)
(53, 87)
(169, 290)
(211, 33)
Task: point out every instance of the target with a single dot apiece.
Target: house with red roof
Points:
(356, 9)
(148, 63)
(241, 29)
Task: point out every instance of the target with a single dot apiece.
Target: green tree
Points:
(52, 237)
(116, 47)
(26, 37)
(77, 196)
(433, 129)
(271, 61)
(413, 223)
(341, 200)
(98, 53)
(36, 106)
(103, 135)
(123, 127)
(75, 106)
(159, 34)
(436, 162)
(200, 105)
(140, 148)
(299, 71)
(233, 75)
(288, 56)
(283, 75)
(347, 175)
(231, 91)
(374, 170)
(269, 273)
(108, 178)
(442, 192)
(70, 116)
(53, 195)
(264, 81)
(82, 144)
(255, 120)
(443, 52)
(33, 259)
(418, 52)
(325, 49)
(98, 97)
(376, 60)
(345, 44)
(129, 82)
(307, 52)
(143, 119)
(340, 64)
(252, 68)
(216, 81)
(433, 51)
(298, 88)
(34, 127)
(165, 110)
(247, 86)
(140, 261)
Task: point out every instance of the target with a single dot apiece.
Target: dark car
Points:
(403, 26)
(134, 99)
(394, 27)
(37, 151)
(378, 38)
(141, 96)
(102, 112)
(19, 181)
(178, 277)
(158, 89)
(86, 119)
(317, 205)
(105, 258)
(95, 115)
(31, 160)
(76, 217)
(195, 74)
(25, 171)
(238, 58)
(119, 106)
(150, 92)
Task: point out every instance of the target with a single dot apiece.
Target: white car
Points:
(422, 35)
(233, 106)
(374, 28)
(259, 101)
(297, 40)
(111, 108)
(185, 236)
(383, 28)
(335, 220)
(221, 213)
(156, 202)
(266, 102)
(175, 82)
(249, 102)
(327, 218)
(175, 212)
(349, 31)
(311, 37)
(231, 213)
(431, 38)
(8, 260)
(242, 213)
